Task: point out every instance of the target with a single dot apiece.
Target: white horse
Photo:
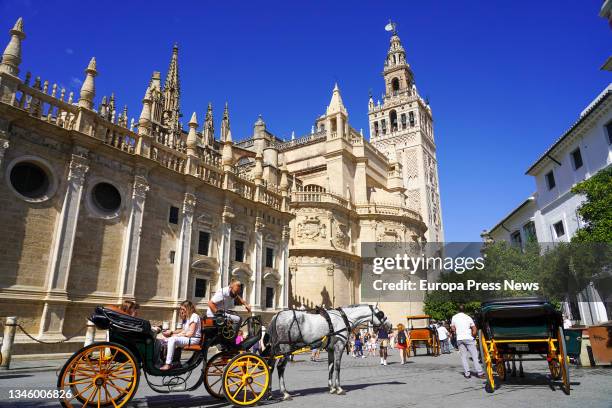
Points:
(293, 329)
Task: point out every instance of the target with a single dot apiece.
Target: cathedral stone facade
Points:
(97, 208)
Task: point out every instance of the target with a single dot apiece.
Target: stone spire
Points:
(226, 133)
(172, 92)
(258, 170)
(88, 89)
(227, 154)
(396, 54)
(284, 181)
(397, 72)
(192, 136)
(144, 122)
(336, 105)
(11, 58)
(208, 133)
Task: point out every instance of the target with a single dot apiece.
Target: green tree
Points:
(502, 262)
(596, 211)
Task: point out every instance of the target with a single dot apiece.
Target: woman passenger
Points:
(190, 332)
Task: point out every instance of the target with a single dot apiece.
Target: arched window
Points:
(395, 85)
(393, 120)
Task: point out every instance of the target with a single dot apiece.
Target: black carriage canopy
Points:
(106, 318)
(522, 317)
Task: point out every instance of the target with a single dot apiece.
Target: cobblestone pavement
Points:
(423, 382)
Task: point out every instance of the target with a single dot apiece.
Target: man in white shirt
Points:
(224, 299)
(464, 328)
(443, 337)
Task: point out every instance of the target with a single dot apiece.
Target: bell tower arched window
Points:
(395, 84)
(393, 120)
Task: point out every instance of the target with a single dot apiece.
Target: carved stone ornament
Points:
(286, 232)
(341, 237)
(228, 214)
(4, 144)
(78, 168)
(310, 228)
(140, 187)
(189, 203)
(259, 224)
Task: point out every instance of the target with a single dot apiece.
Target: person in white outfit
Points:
(465, 329)
(224, 299)
(443, 337)
(190, 332)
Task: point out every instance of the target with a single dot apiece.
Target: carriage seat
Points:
(250, 341)
(110, 318)
(206, 323)
(195, 347)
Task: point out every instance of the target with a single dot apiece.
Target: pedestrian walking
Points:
(383, 338)
(443, 337)
(358, 346)
(314, 356)
(464, 328)
(402, 343)
(371, 345)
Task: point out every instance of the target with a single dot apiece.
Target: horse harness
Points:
(323, 312)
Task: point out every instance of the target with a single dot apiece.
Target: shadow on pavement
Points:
(530, 380)
(347, 388)
(176, 400)
(13, 376)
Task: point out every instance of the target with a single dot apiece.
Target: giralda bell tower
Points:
(402, 128)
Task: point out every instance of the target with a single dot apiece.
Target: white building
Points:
(551, 212)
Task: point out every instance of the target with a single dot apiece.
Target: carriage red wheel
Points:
(213, 374)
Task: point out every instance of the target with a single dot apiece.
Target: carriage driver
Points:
(224, 300)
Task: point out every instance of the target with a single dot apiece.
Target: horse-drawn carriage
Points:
(107, 373)
(423, 333)
(517, 327)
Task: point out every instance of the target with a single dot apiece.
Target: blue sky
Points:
(504, 79)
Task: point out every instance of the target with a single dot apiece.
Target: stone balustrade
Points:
(167, 148)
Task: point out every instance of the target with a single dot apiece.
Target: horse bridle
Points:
(380, 315)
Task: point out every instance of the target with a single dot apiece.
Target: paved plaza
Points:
(423, 382)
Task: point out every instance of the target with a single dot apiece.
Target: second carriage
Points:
(107, 374)
(528, 328)
(421, 332)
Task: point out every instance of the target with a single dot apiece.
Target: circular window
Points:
(106, 197)
(30, 180)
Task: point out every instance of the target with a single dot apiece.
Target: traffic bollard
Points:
(90, 334)
(7, 342)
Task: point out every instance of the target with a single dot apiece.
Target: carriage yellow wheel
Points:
(246, 379)
(487, 361)
(563, 361)
(555, 369)
(500, 368)
(99, 375)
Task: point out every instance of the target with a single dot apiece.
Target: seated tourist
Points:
(190, 332)
(130, 308)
